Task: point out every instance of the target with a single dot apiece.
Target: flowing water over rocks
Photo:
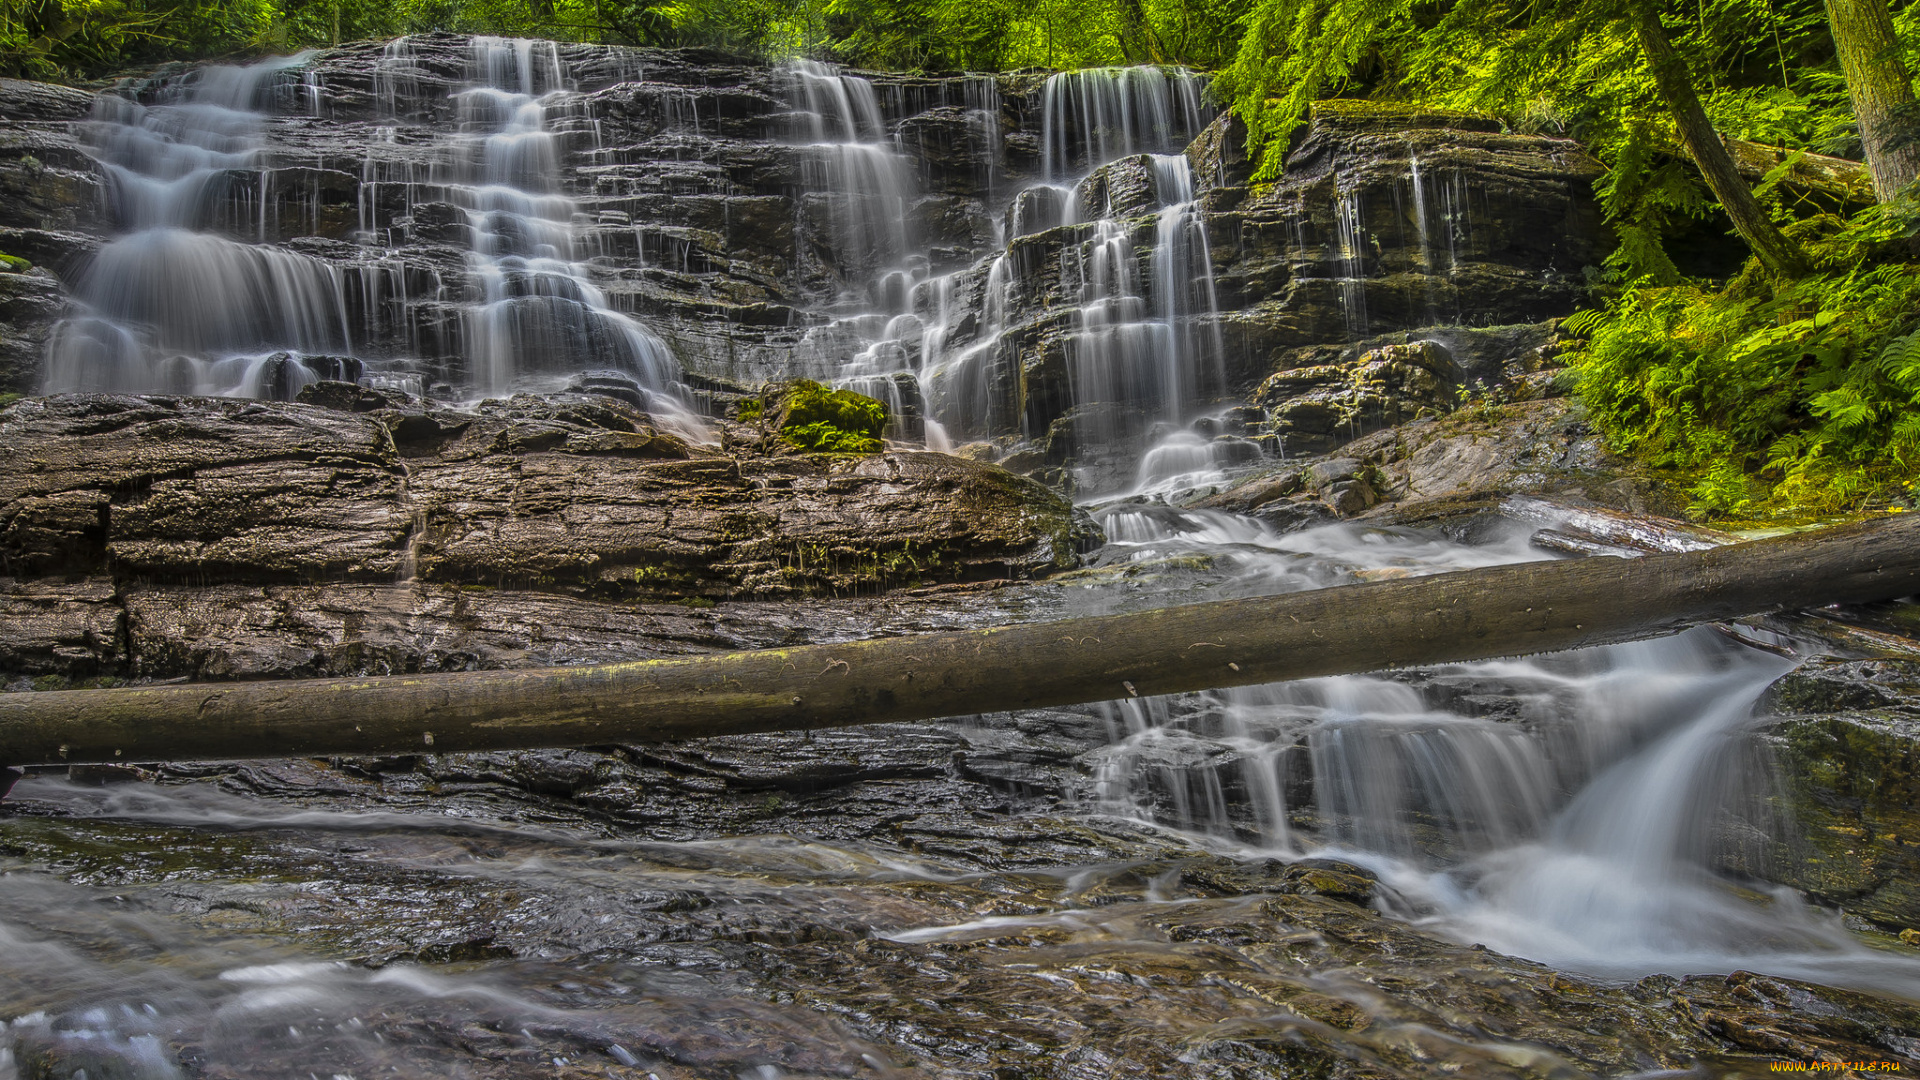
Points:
(504, 299)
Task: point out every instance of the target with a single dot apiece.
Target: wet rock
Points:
(1522, 221)
(581, 495)
(1120, 189)
(31, 304)
(1332, 470)
(617, 385)
(1318, 407)
(47, 180)
(59, 629)
(1330, 878)
(350, 397)
(1847, 738)
(21, 99)
(1466, 462)
(1350, 497)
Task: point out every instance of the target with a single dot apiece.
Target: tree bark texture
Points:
(1772, 247)
(1445, 618)
(1881, 89)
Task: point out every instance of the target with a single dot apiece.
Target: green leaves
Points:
(1807, 401)
(1292, 53)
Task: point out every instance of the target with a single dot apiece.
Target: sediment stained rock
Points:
(580, 496)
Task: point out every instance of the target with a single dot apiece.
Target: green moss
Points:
(831, 421)
(13, 264)
(8, 398)
(749, 410)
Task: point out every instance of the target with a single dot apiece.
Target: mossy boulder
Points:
(815, 418)
(1847, 737)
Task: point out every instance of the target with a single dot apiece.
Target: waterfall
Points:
(1096, 115)
(1350, 256)
(1145, 331)
(177, 304)
(1569, 808)
(196, 295)
(540, 312)
(853, 176)
(941, 348)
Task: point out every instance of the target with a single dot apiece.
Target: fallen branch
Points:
(1444, 618)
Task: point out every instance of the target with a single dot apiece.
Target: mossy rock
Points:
(817, 419)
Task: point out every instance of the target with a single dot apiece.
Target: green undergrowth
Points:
(1772, 400)
(815, 418)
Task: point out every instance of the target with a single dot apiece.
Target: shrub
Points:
(828, 421)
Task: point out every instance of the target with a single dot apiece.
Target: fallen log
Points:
(1444, 618)
(1593, 530)
(1843, 180)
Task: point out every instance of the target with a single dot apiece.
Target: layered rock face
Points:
(1034, 257)
(158, 536)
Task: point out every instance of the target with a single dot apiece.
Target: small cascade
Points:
(854, 177)
(1573, 808)
(959, 374)
(942, 349)
(1423, 235)
(198, 296)
(1145, 331)
(540, 313)
(179, 304)
(983, 107)
(1097, 115)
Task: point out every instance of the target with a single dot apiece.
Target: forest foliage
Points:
(1793, 387)
(77, 39)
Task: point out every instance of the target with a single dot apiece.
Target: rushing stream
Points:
(959, 895)
(1565, 809)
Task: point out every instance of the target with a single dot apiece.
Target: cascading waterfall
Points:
(906, 335)
(1145, 332)
(1098, 115)
(179, 304)
(198, 296)
(854, 177)
(1567, 808)
(541, 312)
(1350, 256)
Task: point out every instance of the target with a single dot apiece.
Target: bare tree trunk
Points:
(1446, 618)
(1882, 91)
(1777, 253)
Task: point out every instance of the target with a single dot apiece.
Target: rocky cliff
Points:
(736, 215)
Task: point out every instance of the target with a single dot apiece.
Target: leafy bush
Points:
(830, 421)
(1796, 398)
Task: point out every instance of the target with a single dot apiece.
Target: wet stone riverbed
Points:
(1333, 879)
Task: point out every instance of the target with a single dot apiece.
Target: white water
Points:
(196, 295)
(1578, 827)
(540, 313)
(1579, 831)
(179, 303)
(1144, 337)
